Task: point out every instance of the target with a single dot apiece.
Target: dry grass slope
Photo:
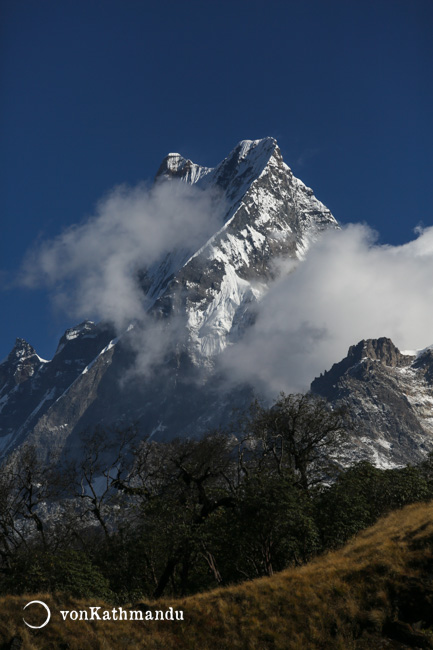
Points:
(376, 592)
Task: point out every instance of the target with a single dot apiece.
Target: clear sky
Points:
(96, 92)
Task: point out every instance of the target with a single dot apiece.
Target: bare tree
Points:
(105, 460)
(300, 432)
(27, 489)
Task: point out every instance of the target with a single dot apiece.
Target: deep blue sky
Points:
(95, 93)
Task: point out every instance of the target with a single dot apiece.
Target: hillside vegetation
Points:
(146, 520)
(376, 592)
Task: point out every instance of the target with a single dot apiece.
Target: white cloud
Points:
(347, 289)
(92, 268)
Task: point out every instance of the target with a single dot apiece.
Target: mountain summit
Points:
(389, 396)
(269, 214)
(199, 303)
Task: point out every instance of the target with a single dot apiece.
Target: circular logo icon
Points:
(38, 602)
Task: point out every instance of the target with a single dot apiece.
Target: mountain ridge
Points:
(199, 302)
(163, 372)
(390, 398)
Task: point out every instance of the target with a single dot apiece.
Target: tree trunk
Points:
(166, 575)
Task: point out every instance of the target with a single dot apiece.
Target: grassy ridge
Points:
(369, 591)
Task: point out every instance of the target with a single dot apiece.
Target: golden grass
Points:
(340, 601)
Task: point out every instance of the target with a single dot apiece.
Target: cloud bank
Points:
(92, 268)
(347, 289)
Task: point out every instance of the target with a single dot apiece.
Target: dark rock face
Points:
(20, 364)
(382, 349)
(390, 398)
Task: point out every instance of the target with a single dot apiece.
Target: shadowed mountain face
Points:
(389, 396)
(199, 302)
(31, 386)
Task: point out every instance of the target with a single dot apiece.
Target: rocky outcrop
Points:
(389, 396)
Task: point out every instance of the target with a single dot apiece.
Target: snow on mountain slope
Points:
(230, 181)
(270, 214)
(209, 292)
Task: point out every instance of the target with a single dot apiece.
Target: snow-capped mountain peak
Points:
(208, 292)
(21, 350)
(176, 166)
(268, 214)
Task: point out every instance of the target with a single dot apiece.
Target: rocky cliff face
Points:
(202, 298)
(389, 396)
(30, 386)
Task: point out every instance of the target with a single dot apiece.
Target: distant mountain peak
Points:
(262, 147)
(256, 153)
(75, 335)
(18, 365)
(21, 350)
(268, 214)
(382, 349)
(175, 165)
(389, 396)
